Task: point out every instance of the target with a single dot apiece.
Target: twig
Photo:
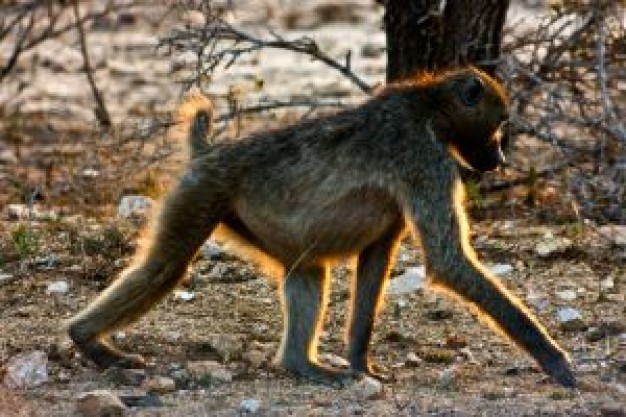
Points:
(101, 111)
(217, 30)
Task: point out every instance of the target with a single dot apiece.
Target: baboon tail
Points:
(195, 117)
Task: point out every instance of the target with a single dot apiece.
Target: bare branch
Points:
(205, 42)
(102, 114)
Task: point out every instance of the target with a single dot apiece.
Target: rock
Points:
(159, 384)
(18, 211)
(134, 206)
(613, 409)
(615, 233)
(99, 403)
(605, 329)
(538, 301)
(6, 278)
(447, 376)
(250, 406)
(607, 284)
(209, 370)
(27, 370)
(228, 346)
(567, 295)
(553, 246)
(184, 295)
(7, 157)
(501, 269)
(412, 360)
(334, 360)
(58, 287)
(412, 280)
(570, 319)
(211, 251)
(90, 173)
(367, 388)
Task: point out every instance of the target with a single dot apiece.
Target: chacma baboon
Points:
(344, 185)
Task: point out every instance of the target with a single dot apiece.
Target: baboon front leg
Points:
(373, 267)
(451, 263)
(188, 216)
(304, 302)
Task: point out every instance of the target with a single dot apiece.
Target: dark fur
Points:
(350, 184)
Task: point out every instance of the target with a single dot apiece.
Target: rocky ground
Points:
(210, 344)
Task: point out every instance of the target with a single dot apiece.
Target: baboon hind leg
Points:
(304, 301)
(372, 272)
(185, 221)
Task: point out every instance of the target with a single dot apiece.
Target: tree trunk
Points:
(439, 34)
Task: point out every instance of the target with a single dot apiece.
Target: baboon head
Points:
(471, 111)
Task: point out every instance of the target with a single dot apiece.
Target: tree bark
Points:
(440, 34)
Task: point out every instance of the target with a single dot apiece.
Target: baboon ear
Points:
(472, 91)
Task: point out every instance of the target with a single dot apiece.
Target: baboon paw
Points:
(106, 356)
(323, 375)
(375, 372)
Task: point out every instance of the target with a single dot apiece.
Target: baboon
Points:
(344, 185)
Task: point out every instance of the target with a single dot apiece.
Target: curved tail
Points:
(195, 117)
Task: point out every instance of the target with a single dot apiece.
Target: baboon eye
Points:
(472, 91)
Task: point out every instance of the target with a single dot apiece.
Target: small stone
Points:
(227, 346)
(607, 284)
(570, 319)
(211, 251)
(159, 384)
(467, 353)
(553, 246)
(567, 295)
(537, 300)
(58, 287)
(184, 295)
(134, 206)
(501, 269)
(6, 278)
(334, 360)
(613, 409)
(18, 211)
(603, 330)
(615, 233)
(209, 370)
(412, 360)
(412, 280)
(447, 376)
(250, 405)
(90, 173)
(367, 388)
(7, 157)
(181, 376)
(27, 370)
(99, 403)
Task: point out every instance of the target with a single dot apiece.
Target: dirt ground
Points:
(442, 360)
